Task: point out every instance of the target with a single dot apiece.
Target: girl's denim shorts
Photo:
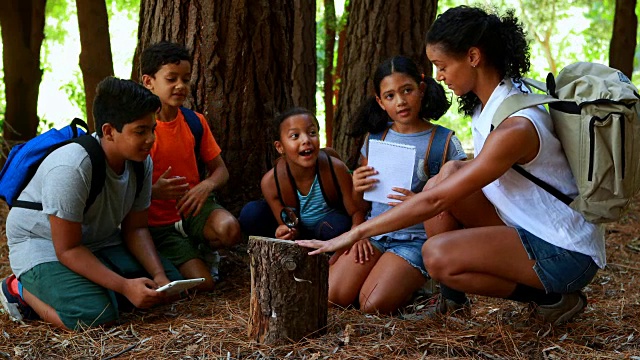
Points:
(409, 250)
(560, 270)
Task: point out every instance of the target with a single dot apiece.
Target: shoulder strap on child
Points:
(98, 171)
(377, 136)
(286, 185)
(198, 132)
(328, 180)
(138, 170)
(439, 141)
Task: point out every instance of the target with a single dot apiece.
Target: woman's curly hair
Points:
(501, 39)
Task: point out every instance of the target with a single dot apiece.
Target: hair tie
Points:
(422, 75)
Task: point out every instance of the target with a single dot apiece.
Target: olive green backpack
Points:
(596, 115)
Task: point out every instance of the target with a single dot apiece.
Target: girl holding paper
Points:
(384, 271)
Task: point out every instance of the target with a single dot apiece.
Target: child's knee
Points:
(226, 229)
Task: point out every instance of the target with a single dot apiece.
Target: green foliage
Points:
(75, 91)
(56, 15)
(130, 7)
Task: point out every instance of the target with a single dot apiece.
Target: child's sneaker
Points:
(13, 304)
(563, 310)
(438, 306)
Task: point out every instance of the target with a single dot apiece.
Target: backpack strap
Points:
(98, 171)
(377, 136)
(433, 160)
(286, 185)
(328, 180)
(138, 169)
(98, 167)
(515, 103)
(198, 132)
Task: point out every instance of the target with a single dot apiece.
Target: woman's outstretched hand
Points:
(341, 242)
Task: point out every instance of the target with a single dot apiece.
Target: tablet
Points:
(179, 286)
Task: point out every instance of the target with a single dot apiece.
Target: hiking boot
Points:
(13, 304)
(562, 311)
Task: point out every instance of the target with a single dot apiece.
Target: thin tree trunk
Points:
(22, 24)
(96, 61)
(342, 41)
(623, 40)
(303, 73)
(329, 45)
(241, 76)
(376, 30)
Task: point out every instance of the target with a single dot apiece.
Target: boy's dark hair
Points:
(120, 102)
(159, 54)
(371, 118)
(288, 113)
(502, 41)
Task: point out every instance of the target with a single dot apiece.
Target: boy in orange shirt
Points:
(184, 215)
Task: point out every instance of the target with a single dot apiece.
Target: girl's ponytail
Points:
(370, 118)
(434, 102)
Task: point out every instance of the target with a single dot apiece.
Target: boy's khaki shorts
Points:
(172, 243)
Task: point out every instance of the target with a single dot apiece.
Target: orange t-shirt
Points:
(174, 147)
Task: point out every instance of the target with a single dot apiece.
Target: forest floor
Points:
(214, 325)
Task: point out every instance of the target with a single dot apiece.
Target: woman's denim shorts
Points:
(409, 250)
(560, 270)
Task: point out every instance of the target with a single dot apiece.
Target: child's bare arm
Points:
(352, 205)
(193, 201)
(360, 183)
(270, 193)
(70, 251)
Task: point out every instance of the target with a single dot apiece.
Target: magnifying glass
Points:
(289, 217)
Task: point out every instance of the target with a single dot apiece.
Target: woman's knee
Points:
(435, 257)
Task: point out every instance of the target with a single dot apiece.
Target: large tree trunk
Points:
(623, 40)
(22, 23)
(289, 291)
(96, 61)
(241, 75)
(330, 43)
(376, 30)
(303, 73)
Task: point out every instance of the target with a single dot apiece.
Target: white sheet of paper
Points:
(394, 163)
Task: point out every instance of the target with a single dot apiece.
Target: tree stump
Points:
(289, 291)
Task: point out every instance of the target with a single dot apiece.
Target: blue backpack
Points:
(24, 159)
(198, 131)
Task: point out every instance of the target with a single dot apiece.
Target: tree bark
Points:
(329, 45)
(289, 291)
(96, 61)
(22, 24)
(342, 41)
(241, 76)
(376, 30)
(623, 40)
(303, 73)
